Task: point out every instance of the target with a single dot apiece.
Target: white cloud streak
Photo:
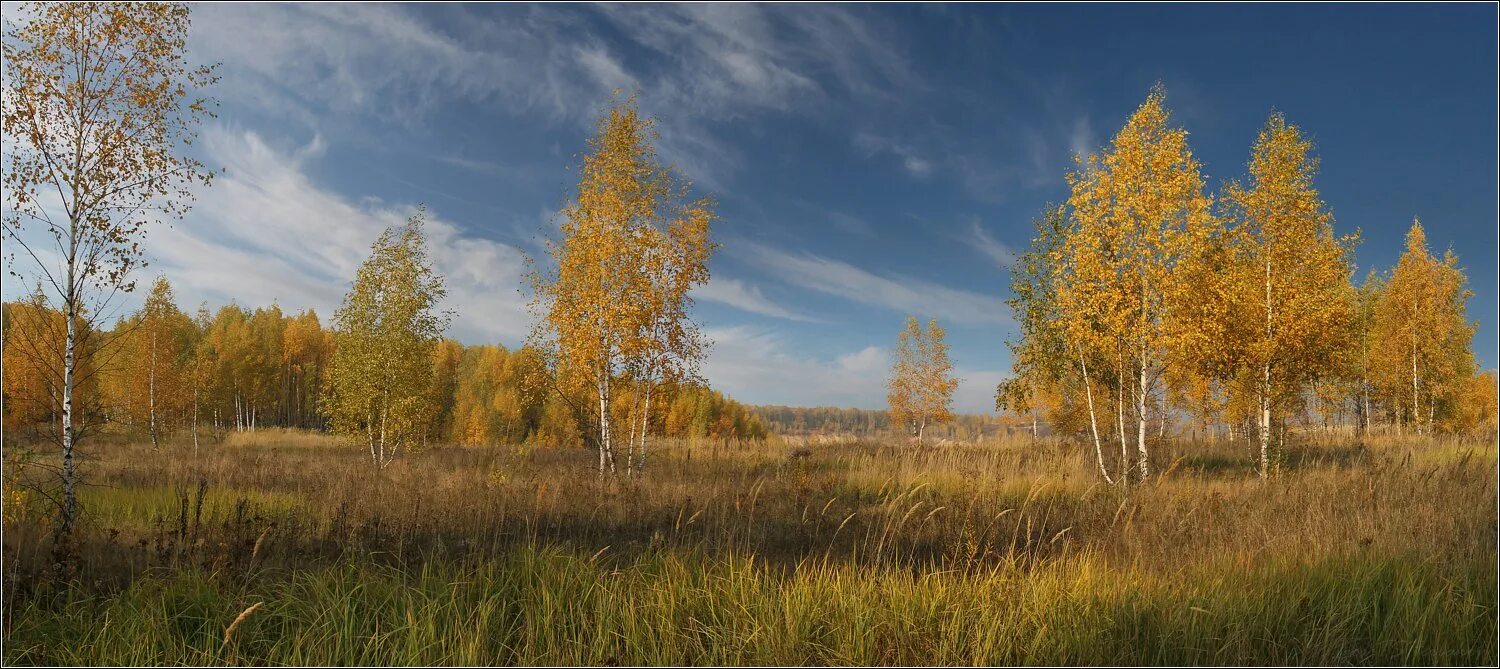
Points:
(898, 293)
(994, 249)
(745, 297)
(712, 64)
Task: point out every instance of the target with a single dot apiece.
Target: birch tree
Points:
(150, 370)
(1421, 339)
(920, 389)
(1291, 304)
(385, 333)
(1045, 360)
(613, 307)
(99, 102)
(1135, 208)
(202, 364)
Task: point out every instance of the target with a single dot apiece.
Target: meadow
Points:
(286, 547)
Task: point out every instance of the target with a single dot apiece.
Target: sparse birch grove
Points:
(1134, 211)
(1141, 291)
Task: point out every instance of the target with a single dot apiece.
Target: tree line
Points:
(1144, 298)
(163, 372)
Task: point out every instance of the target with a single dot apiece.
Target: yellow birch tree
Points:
(613, 311)
(920, 389)
(1135, 209)
(98, 106)
(1421, 340)
(385, 335)
(1291, 307)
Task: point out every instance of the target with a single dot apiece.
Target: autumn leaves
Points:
(1143, 292)
(385, 335)
(920, 390)
(612, 309)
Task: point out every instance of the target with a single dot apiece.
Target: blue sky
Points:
(869, 161)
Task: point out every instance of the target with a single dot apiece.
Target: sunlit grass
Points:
(115, 507)
(554, 606)
(1003, 552)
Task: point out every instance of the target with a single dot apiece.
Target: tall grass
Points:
(842, 553)
(555, 606)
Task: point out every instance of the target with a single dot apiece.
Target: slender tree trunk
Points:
(1140, 444)
(1365, 388)
(1265, 426)
(1265, 388)
(385, 412)
(605, 457)
(1416, 407)
(195, 411)
(640, 464)
(62, 537)
(1124, 474)
(370, 432)
(1088, 389)
(151, 395)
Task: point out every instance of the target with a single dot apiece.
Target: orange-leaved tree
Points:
(920, 390)
(1291, 309)
(613, 306)
(1135, 210)
(1420, 346)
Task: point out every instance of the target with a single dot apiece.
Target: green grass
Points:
(124, 507)
(552, 606)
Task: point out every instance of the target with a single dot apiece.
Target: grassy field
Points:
(1007, 552)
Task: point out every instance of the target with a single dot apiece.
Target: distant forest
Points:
(808, 421)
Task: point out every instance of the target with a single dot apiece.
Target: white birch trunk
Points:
(1088, 389)
(1265, 389)
(1140, 444)
(195, 413)
(1416, 406)
(1120, 421)
(62, 535)
(151, 395)
(640, 465)
(1265, 430)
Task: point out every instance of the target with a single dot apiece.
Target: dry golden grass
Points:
(264, 510)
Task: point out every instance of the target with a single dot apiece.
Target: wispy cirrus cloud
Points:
(710, 64)
(912, 161)
(981, 240)
(745, 297)
(898, 293)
